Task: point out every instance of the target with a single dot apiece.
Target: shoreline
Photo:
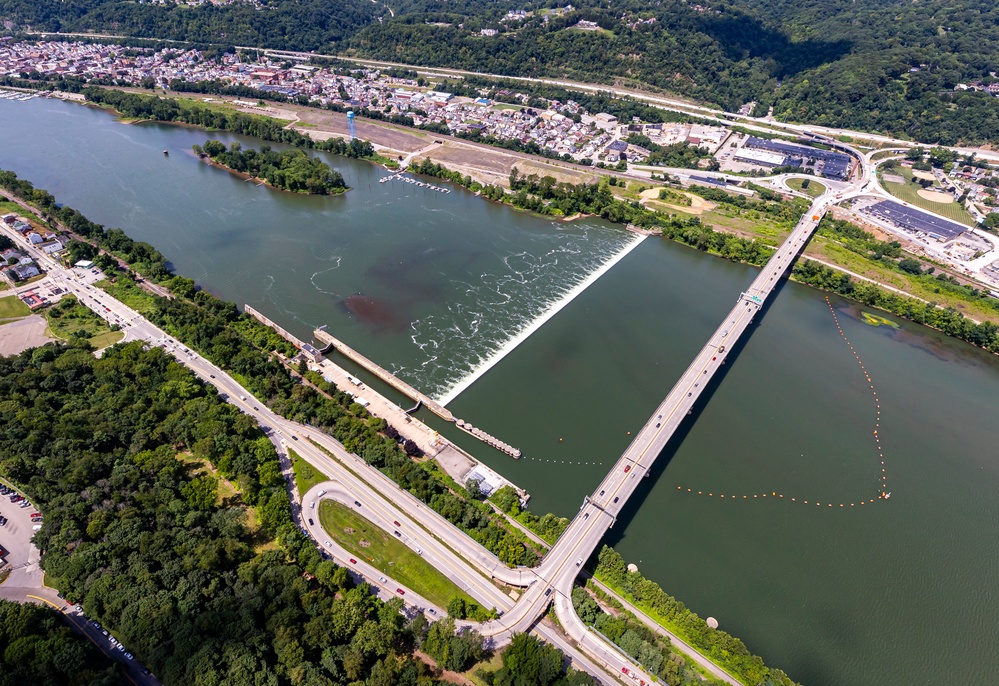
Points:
(630, 228)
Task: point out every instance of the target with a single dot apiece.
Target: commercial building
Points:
(911, 219)
(829, 163)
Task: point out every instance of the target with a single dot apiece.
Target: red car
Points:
(353, 561)
(627, 469)
(35, 514)
(397, 523)
(400, 591)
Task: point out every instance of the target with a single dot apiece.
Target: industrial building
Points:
(911, 219)
(831, 164)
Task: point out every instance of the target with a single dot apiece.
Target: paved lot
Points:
(25, 585)
(15, 536)
(22, 334)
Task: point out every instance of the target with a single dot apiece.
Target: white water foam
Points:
(554, 308)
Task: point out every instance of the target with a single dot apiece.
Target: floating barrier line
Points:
(882, 493)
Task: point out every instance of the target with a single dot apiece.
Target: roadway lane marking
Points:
(44, 600)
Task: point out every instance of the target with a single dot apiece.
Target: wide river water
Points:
(431, 285)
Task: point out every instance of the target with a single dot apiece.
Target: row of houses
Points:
(562, 128)
(17, 265)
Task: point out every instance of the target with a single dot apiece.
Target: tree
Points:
(907, 264)
(528, 662)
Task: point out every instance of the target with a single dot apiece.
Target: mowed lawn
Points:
(908, 192)
(11, 307)
(387, 554)
(814, 190)
(306, 476)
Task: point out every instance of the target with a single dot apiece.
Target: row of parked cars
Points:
(115, 643)
(22, 502)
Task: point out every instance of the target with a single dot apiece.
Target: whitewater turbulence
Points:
(491, 359)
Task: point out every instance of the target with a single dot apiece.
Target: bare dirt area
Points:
(698, 205)
(485, 166)
(23, 334)
(928, 176)
(562, 174)
(383, 135)
(935, 196)
(269, 111)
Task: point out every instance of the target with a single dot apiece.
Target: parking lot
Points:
(15, 535)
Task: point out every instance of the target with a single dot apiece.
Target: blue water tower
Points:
(350, 124)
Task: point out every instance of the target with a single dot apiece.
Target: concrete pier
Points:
(456, 462)
(328, 342)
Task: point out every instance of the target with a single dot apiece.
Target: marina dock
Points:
(407, 179)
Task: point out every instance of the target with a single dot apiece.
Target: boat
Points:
(166, 152)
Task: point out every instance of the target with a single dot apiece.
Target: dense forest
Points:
(291, 24)
(166, 516)
(38, 648)
(888, 66)
(289, 170)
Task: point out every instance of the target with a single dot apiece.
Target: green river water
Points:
(897, 591)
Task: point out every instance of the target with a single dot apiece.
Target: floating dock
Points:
(407, 179)
(328, 343)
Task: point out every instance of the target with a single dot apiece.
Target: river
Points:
(896, 591)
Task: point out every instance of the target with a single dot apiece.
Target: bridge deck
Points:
(619, 484)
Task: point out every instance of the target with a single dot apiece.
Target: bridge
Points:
(564, 561)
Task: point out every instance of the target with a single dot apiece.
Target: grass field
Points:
(127, 292)
(11, 307)
(70, 318)
(6, 206)
(306, 476)
(748, 223)
(920, 287)
(814, 190)
(907, 192)
(387, 554)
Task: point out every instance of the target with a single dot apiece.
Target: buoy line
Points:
(883, 492)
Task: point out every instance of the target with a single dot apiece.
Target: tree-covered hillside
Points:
(875, 65)
(884, 65)
(291, 24)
